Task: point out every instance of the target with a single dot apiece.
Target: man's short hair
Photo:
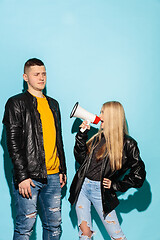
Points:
(32, 62)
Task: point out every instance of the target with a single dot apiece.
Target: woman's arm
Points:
(80, 148)
(136, 167)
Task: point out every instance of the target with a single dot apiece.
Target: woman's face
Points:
(102, 117)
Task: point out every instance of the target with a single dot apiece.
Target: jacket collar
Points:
(31, 98)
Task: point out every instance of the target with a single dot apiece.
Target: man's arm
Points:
(15, 143)
(60, 142)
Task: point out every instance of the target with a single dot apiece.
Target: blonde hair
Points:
(114, 129)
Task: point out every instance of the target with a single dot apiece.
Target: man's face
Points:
(35, 77)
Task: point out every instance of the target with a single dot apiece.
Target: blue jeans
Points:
(49, 197)
(91, 193)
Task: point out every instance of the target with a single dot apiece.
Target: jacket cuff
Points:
(114, 186)
(83, 134)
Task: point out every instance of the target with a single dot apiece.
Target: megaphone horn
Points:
(80, 112)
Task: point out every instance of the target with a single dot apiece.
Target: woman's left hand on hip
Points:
(107, 183)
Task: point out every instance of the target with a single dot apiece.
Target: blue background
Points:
(94, 51)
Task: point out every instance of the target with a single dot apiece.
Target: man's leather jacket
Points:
(132, 173)
(25, 136)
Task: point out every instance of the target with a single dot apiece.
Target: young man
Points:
(34, 140)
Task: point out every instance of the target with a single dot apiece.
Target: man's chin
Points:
(40, 89)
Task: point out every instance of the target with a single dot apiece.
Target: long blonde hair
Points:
(114, 129)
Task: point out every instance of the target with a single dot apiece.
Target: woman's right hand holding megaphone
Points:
(88, 117)
(85, 125)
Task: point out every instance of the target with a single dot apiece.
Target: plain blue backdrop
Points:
(94, 51)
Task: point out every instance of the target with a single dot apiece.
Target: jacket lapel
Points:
(106, 168)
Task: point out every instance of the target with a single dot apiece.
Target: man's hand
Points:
(62, 179)
(25, 188)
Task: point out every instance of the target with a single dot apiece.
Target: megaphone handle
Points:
(83, 129)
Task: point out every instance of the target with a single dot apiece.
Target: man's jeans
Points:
(91, 193)
(49, 198)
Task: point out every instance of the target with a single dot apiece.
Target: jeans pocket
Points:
(97, 188)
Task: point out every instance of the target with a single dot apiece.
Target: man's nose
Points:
(42, 77)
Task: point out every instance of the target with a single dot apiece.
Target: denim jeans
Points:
(49, 198)
(91, 193)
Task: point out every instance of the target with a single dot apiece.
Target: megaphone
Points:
(80, 112)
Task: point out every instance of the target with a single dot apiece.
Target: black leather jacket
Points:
(131, 163)
(25, 136)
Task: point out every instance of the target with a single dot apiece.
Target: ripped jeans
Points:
(91, 193)
(49, 198)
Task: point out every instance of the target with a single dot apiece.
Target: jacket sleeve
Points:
(136, 168)
(80, 148)
(14, 132)
(62, 167)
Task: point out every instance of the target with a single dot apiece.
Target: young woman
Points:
(109, 162)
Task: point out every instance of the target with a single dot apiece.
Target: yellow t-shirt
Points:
(49, 136)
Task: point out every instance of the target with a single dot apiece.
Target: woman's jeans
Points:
(49, 198)
(91, 193)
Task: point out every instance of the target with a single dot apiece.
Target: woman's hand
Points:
(85, 125)
(106, 183)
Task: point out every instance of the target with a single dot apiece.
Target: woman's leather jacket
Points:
(132, 173)
(25, 136)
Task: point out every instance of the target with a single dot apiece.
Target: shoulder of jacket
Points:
(129, 140)
(16, 99)
(52, 99)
